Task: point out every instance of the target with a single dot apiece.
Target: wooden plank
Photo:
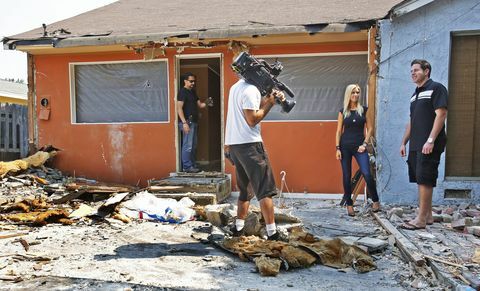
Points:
(406, 246)
(198, 198)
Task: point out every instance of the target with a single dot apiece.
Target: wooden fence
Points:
(13, 132)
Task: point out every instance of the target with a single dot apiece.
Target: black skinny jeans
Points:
(362, 160)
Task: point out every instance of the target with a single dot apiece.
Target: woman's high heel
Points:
(350, 211)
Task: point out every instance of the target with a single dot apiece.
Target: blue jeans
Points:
(362, 160)
(189, 145)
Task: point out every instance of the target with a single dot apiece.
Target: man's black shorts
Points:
(423, 169)
(253, 167)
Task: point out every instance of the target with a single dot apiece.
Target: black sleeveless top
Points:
(354, 128)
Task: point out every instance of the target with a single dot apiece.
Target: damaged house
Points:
(103, 84)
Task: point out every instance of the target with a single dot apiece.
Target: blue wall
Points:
(423, 33)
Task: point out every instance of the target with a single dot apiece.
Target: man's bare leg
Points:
(266, 205)
(425, 206)
(242, 209)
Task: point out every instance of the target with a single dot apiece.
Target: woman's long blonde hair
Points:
(346, 101)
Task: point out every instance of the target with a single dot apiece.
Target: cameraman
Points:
(243, 141)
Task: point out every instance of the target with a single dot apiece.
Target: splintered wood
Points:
(36, 160)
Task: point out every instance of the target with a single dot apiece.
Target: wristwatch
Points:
(430, 140)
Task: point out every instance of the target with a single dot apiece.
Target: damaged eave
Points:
(228, 33)
(408, 6)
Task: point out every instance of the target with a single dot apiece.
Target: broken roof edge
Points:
(11, 44)
(407, 6)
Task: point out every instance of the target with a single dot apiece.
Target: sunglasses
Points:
(191, 81)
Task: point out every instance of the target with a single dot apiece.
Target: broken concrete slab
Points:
(473, 212)
(461, 223)
(475, 230)
(447, 218)
(437, 217)
(373, 244)
(396, 210)
(425, 235)
(350, 240)
(219, 214)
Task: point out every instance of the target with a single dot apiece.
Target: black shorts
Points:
(423, 169)
(252, 166)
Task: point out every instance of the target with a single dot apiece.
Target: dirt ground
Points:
(146, 255)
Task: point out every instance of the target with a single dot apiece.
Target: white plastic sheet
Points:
(148, 206)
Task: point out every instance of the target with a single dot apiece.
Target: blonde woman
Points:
(351, 141)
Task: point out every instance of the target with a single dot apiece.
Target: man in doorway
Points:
(426, 134)
(243, 144)
(188, 104)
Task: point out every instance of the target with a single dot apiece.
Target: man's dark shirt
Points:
(190, 108)
(423, 103)
(354, 128)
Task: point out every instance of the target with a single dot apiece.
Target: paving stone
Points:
(373, 244)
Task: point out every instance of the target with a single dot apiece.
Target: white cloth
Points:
(242, 96)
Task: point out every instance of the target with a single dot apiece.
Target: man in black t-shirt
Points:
(187, 107)
(426, 134)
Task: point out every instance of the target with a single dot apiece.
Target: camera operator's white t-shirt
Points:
(242, 96)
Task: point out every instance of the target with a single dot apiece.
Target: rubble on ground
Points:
(451, 243)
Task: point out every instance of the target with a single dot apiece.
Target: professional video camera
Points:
(263, 76)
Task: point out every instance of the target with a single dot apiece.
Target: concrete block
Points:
(217, 214)
(437, 217)
(475, 230)
(372, 244)
(473, 212)
(449, 210)
(396, 210)
(463, 206)
(447, 218)
(461, 223)
(349, 240)
(457, 216)
(425, 235)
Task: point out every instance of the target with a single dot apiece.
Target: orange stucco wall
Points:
(132, 153)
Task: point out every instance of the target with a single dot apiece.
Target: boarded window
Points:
(121, 92)
(463, 124)
(319, 84)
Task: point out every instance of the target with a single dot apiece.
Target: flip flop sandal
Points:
(410, 226)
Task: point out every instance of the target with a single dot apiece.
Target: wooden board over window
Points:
(463, 125)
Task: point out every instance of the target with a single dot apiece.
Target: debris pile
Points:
(450, 244)
(302, 250)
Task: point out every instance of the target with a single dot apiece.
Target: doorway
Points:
(208, 76)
